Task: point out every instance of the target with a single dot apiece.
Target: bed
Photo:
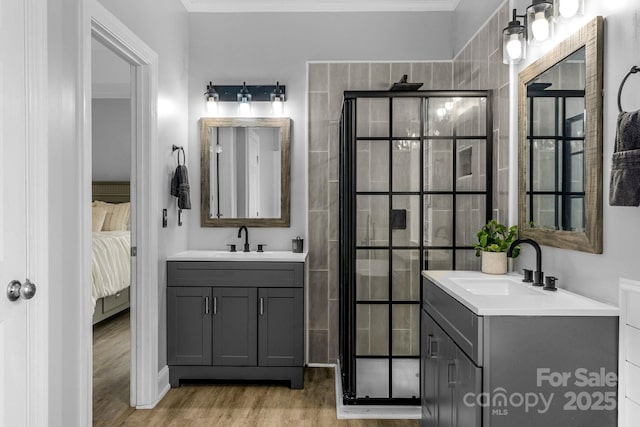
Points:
(111, 248)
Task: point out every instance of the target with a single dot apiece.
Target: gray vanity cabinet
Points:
(235, 320)
(515, 370)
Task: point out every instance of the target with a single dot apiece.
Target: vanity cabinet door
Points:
(234, 327)
(429, 381)
(468, 382)
(188, 326)
(281, 323)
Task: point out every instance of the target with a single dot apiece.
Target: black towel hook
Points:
(633, 70)
(184, 158)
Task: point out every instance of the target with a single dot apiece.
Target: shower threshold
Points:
(368, 412)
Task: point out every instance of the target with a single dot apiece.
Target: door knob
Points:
(13, 290)
(28, 290)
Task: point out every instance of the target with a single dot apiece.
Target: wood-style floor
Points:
(228, 405)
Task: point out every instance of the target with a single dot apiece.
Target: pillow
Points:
(117, 217)
(98, 214)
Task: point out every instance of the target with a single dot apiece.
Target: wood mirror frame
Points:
(591, 37)
(284, 124)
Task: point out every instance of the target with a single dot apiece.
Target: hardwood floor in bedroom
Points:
(228, 405)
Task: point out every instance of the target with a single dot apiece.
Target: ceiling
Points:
(319, 5)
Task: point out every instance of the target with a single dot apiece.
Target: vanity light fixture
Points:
(246, 95)
(540, 18)
(211, 98)
(514, 37)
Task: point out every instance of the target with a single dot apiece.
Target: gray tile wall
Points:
(478, 66)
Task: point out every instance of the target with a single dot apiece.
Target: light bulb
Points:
(441, 113)
(244, 108)
(569, 8)
(277, 106)
(448, 105)
(212, 106)
(540, 27)
(514, 47)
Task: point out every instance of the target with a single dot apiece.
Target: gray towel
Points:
(624, 187)
(180, 187)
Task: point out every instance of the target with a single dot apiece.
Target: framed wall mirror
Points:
(245, 172)
(560, 144)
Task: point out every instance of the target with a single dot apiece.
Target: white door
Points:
(17, 316)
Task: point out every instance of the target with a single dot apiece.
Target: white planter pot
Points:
(494, 262)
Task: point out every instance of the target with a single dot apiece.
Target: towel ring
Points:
(184, 158)
(633, 70)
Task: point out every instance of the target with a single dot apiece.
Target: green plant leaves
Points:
(496, 237)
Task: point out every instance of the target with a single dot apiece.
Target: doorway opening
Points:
(112, 134)
(148, 382)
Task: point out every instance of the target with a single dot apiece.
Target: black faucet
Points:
(246, 237)
(538, 275)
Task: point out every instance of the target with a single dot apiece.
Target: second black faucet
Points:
(246, 237)
(538, 275)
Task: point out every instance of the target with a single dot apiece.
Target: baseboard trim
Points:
(163, 387)
(368, 412)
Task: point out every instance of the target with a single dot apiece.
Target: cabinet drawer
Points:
(458, 321)
(114, 301)
(230, 274)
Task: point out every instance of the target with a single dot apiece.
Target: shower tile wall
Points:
(478, 66)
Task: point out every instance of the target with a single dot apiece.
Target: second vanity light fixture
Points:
(245, 95)
(539, 20)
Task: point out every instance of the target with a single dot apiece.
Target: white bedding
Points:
(110, 263)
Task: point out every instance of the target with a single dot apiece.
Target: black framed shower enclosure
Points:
(415, 186)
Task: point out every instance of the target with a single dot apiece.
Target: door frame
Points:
(105, 27)
(37, 198)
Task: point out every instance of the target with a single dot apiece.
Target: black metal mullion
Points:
(489, 157)
(556, 151)
(530, 168)
(390, 232)
(454, 172)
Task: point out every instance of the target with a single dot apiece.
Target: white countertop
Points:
(507, 295)
(268, 256)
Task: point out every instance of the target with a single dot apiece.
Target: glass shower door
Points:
(414, 189)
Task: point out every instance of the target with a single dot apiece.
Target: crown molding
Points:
(243, 6)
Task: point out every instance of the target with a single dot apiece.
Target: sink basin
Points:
(497, 286)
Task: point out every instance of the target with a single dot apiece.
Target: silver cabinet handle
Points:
(206, 305)
(451, 373)
(432, 347)
(215, 305)
(261, 306)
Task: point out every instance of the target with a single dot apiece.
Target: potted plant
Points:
(494, 240)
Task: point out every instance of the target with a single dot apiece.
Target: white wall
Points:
(162, 25)
(597, 275)
(264, 48)
(111, 139)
